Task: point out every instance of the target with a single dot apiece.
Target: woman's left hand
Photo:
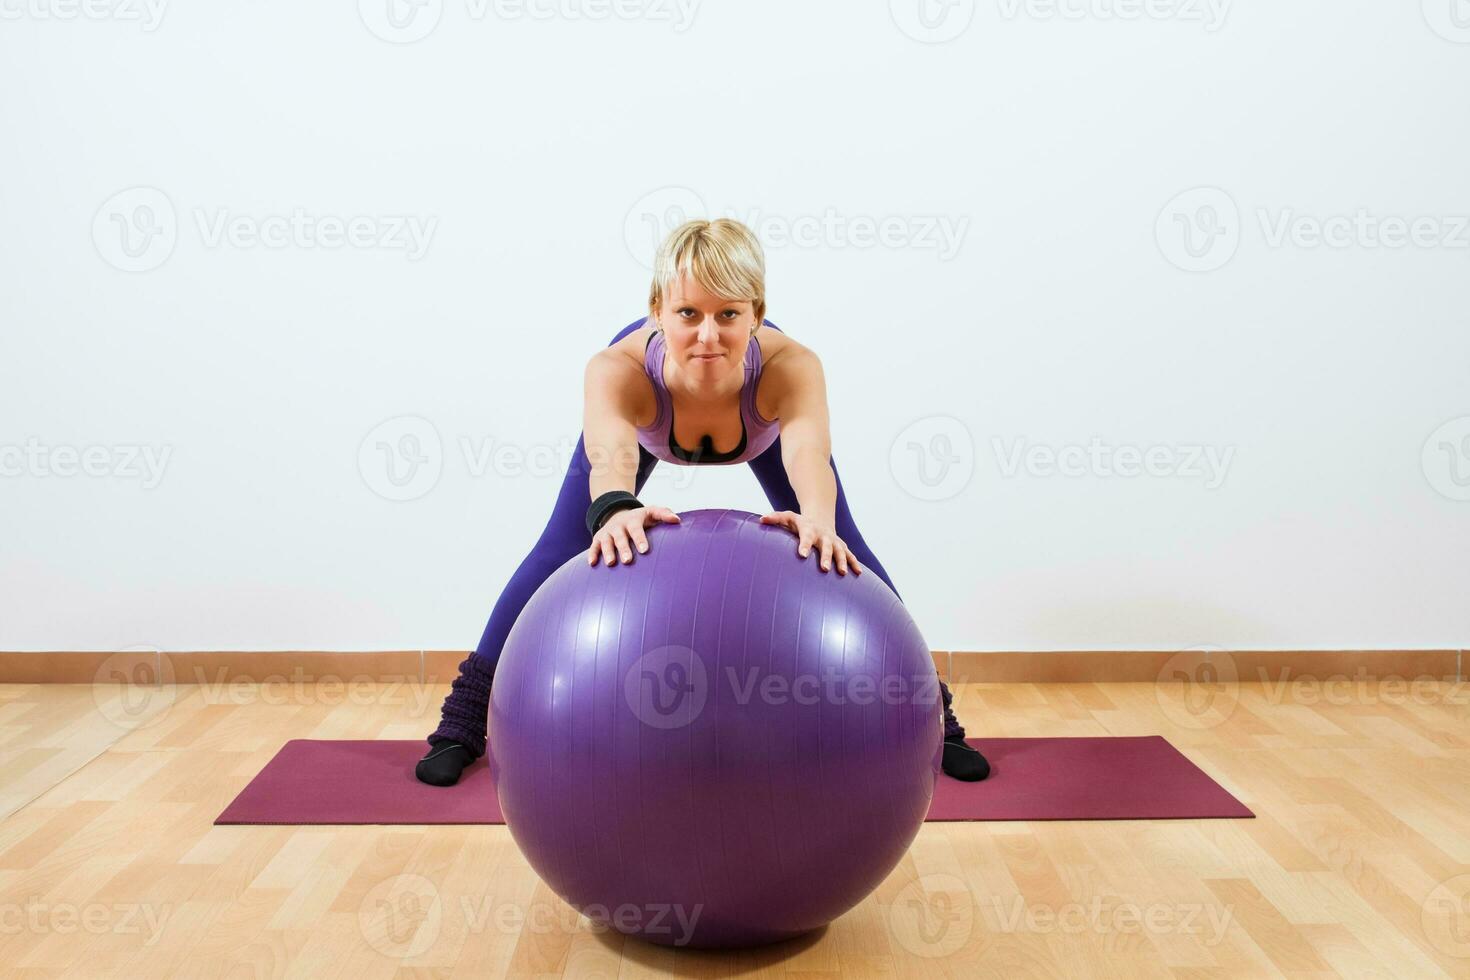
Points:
(809, 533)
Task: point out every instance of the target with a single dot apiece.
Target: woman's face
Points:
(706, 335)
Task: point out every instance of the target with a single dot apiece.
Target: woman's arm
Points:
(806, 453)
(608, 432)
(806, 437)
(610, 438)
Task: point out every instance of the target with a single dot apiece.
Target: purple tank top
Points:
(756, 433)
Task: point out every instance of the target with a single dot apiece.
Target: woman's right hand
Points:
(624, 531)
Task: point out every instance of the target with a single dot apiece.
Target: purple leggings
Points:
(464, 712)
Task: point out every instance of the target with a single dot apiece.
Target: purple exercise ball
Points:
(718, 744)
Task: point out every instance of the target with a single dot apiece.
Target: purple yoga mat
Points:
(1140, 777)
(372, 782)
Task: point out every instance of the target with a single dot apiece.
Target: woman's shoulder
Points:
(787, 366)
(621, 362)
(784, 362)
(620, 371)
(630, 349)
(777, 347)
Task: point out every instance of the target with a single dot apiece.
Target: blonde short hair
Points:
(723, 256)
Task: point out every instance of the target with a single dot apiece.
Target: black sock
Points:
(964, 762)
(443, 763)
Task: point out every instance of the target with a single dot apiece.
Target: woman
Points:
(691, 373)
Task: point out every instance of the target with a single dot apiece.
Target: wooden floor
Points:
(1357, 866)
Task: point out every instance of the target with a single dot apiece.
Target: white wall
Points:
(1066, 150)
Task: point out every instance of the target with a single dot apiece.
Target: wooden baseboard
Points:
(1009, 667)
(214, 667)
(956, 667)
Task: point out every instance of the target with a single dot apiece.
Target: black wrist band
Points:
(607, 505)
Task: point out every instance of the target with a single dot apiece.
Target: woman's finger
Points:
(608, 556)
(840, 553)
(640, 540)
(620, 541)
(826, 546)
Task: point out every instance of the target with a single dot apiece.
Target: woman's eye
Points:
(687, 312)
